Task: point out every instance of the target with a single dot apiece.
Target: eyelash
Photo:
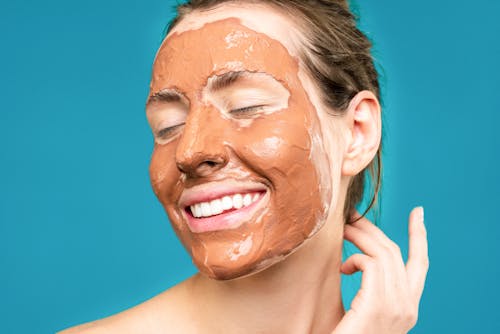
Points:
(247, 109)
(163, 133)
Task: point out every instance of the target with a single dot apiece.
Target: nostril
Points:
(207, 167)
(181, 168)
(201, 167)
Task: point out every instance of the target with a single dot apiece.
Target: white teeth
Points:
(255, 198)
(216, 206)
(227, 203)
(219, 205)
(205, 209)
(196, 209)
(247, 200)
(238, 201)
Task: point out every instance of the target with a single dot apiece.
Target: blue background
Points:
(81, 233)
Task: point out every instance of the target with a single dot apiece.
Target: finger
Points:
(418, 258)
(372, 241)
(366, 225)
(365, 241)
(371, 273)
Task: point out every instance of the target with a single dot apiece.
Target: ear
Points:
(364, 132)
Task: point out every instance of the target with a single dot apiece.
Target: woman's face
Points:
(238, 162)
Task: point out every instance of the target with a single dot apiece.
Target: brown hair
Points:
(338, 57)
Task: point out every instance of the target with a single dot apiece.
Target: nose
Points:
(200, 149)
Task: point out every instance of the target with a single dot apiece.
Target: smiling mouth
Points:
(222, 205)
(224, 212)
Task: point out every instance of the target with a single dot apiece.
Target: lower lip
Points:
(224, 221)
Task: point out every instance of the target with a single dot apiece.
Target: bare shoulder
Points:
(167, 312)
(88, 328)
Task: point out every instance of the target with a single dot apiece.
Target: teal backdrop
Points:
(81, 233)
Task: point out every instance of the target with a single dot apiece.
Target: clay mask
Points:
(238, 162)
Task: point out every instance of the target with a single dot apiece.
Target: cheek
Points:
(163, 173)
(167, 183)
(333, 142)
(321, 158)
(273, 143)
(286, 148)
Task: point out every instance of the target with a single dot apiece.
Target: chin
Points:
(224, 268)
(224, 273)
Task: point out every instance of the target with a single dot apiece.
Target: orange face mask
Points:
(231, 119)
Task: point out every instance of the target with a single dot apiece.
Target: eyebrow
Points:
(225, 80)
(216, 83)
(166, 95)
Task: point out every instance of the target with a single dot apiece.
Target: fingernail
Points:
(420, 213)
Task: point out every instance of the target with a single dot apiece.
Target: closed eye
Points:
(247, 110)
(167, 132)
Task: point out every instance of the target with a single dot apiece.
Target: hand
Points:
(387, 302)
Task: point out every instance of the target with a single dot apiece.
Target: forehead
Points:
(222, 40)
(260, 18)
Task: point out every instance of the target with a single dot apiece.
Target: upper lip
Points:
(208, 191)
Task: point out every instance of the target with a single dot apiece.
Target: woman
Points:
(265, 116)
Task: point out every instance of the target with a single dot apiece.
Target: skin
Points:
(300, 294)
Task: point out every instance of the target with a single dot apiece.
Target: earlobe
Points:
(365, 130)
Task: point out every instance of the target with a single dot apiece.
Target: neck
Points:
(298, 295)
